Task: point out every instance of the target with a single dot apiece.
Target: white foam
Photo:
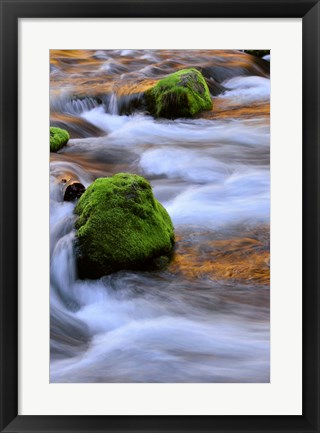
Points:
(245, 90)
(241, 197)
(140, 129)
(188, 164)
(164, 346)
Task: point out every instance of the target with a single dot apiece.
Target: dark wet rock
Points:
(73, 191)
(257, 53)
(76, 126)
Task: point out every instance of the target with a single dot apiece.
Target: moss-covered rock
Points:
(120, 226)
(58, 138)
(181, 94)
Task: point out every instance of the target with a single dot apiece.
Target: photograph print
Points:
(159, 216)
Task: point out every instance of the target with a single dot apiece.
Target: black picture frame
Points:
(11, 11)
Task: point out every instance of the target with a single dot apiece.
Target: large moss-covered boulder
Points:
(120, 226)
(181, 94)
(58, 138)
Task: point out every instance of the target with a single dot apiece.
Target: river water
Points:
(206, 317)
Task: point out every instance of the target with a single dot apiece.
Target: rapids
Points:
(206, 317)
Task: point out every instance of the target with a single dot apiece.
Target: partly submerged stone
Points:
(58, 138)
(73, 191)
(181, 94)
(258, 53)
(120, 226)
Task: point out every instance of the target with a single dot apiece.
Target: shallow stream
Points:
(205, 318)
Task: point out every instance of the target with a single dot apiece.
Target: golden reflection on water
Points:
(84, 73)
(242, 259)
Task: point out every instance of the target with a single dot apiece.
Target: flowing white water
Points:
(246, 90)
(151, 326)
(113, 104)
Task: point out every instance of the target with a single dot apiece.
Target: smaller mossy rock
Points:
(120, 226)
(58, 138)
(181, 94)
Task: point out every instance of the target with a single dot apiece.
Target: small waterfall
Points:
(62, 232)
(74, 106)
(113, 104)
(78, 106)
(63, 269)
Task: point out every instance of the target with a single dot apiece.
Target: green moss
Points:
(181, 94)
(58, 138)
(120, 226)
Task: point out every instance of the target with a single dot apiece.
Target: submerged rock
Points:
(258, 53)
(181, 94)
(120, 226)
(77, 126)
(58, 138)
(73, 191)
